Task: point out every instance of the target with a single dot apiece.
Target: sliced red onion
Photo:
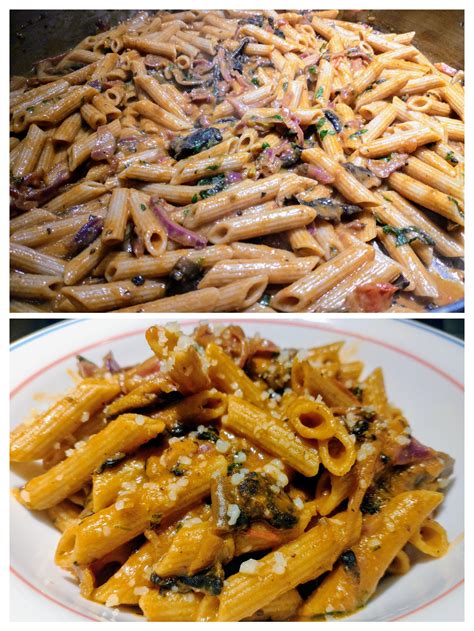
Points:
(95, 83)
(104, 145)
(383, 169)
(442, 67)
(111, 364)
(413, 452)
(138, 245)
(52, 60)
(85, 367)
(293, 123)
(221, 60)
(240, 108)
(320, 174)
(234, 177)
(177, 233)
(86, 234)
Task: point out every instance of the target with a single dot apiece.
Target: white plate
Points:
(424, 374)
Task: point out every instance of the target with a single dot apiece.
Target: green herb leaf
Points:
(326, 132)
(194, 199)
(213, 167)
(278, 117)
(408, 234)
(256, 82)
(319, 93)
(265, 145)
(142, 207)
(456, 203)
(450, 157)
(321, 122)
(356, 134)
(312, 70)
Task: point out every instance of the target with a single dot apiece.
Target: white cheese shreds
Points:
(237, 478)
(240, 457)
(366, 450)
(279, 565)
(139, 591)
(85, 417)
(298, 502)
(233, 513)
(249, 567)
(120, 505)
(185, 460)
(222, 446)
(139, 419)
(112, 600)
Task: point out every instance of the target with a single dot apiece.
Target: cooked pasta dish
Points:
(237, 161)
(226, 479)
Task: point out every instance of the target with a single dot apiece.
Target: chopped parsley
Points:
(321, 122)
(278, 117)
(142, 207)
(319, 93)
(213, 167)
(456, 203)
(256, 82)
(326, 132)
(265, 145)
(312, 70)
(408, 234)
(450, 157)
(194, 199)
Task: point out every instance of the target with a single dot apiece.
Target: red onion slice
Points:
(104, 145)
(177, 233)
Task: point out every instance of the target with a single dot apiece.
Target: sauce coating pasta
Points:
(283, 161)
(227, 479)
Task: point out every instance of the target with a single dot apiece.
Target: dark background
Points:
(21, 327)
(35, 35)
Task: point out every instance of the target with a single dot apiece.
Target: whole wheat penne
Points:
(278, 272)
(79, 266)
(29, 260)
(116, 218)
(240, 294)
(199, 300)
(109, 296)
(147, 224)
(428, 197)
(34, 286)
(271, 221)
(302, 292)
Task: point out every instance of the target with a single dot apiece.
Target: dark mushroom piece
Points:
(185, 146)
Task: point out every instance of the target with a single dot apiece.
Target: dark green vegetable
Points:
(349, 563)
(185, 146)
(408, 234)
(217, 183)
(209, 581)
(371, 504)
(257, 500)
(110, 463)
(177, 470)
(450, 157)
(208, 434)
